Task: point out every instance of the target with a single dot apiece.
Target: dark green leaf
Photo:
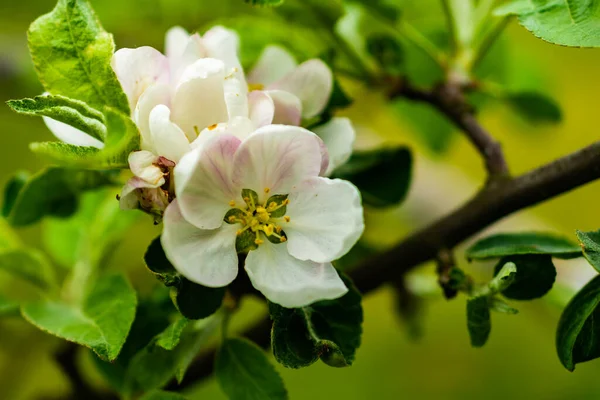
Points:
(11, 191)
(268, 3)
(69, 111)
(383, 176)
(387, 52)
(508, 244)
(386, 9)
(312, 13)
(72, 54)
(53, 191)
(245, 373)
(590, 243)
(162, 395)
(195, 301)
(564, 22)
(535, 107)
(330, 330)
(478, 320)
(534, 278)
(157, 262)
(578, 333)
(101, 322)
(8, 307)
(30, 265)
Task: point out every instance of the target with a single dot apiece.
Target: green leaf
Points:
(122, 138)
(534, 278)
(11, 191)
(387, 52)
(69, 111)
(8, 307)
(170, 337)
(330, 330)
(508, 244)
(535, 107)
(162, 395)
(564, 22)
(479, 322)
(8, 237)
(157, 262)
(245, 373)
(383, 176)
(268, 3)
(386, 9)
(314, 14)
(590, 243)
(101, 322)
(30, 265)
(53, 191)
(578, 333)
(71, 53)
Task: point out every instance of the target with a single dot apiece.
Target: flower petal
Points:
(338, 135)
(239, 127)
(199, 98)
(236, 96)
(274, 63)
(139, 194)
(223, 44)
(261, 108)
(290, 282)
(182, 50)
(203, 182)
(143, 165)
(207, 257)
(68, 134)
(169, 141)
(312, 83)
(288, 107)
(277, 157)
(139, 68)
(176, 40)
(326, 219)
(153, 96)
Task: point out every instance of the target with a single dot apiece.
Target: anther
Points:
(286, 218)
(258, 241)
(267, 190)
(232, 203)
(283, 239)
(212, 127)
(231, 218)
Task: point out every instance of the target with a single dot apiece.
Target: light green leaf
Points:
(508, 244)
(53, 191)
(245, 373)
(564, 22)
(170, 337)
(162, 395)
(122, 138)
(71, 53)
(578, 333)
(535, 107)
(101, 322)
(30, 265)
(330, 330)
(8, 238)
(535, 276)
(479, 322)
(383, 176)
(69, 111)
(590, 243)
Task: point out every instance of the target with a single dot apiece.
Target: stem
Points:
(451, 25)
(488, 41)
(421, 41)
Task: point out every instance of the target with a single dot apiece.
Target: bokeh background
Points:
(519, 361)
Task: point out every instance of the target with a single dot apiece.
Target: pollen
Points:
(212, 127)
(267, 190)
(286, 218)
(283, 239)
(231, 218)
(232, 203)
(259, 241)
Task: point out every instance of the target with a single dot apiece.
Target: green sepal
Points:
(278, 199)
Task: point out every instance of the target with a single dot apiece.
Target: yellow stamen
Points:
(267, 190)
(286, 218)
(232, 203)
(255, 86)
(231, 219)
(212, 127)
(283, 239)
(269, 230)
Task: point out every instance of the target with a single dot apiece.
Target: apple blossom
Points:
(263, 196)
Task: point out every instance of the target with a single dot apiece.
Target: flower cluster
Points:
(226, 165)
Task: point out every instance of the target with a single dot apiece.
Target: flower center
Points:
(258, 220)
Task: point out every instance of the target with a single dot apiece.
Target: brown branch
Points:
(495, 201)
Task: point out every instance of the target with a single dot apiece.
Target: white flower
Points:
(264, 193)
(301, 91)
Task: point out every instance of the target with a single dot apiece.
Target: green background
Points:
(518, 362)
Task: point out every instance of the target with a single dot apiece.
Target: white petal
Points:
(207, 257)
(153, 96)
(326, 219)
(138, 193)
(68, 134)
(139, 68)
(312, 83)
(182, 50)
(223, 44)
(277, 157)
(261, 108)
(169, 141)
(176, 40)
(236, 97)
(288, 107)
(273, 64)
(199, 99)
(203, 182)
(338, 135)
(239, 127)
(143, 165)
(290, 282)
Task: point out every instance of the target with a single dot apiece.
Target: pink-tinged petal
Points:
(326, 219)
(143, 164)
(153, 96)
(261, 108)
(277, 157)
(312, 83)
(138, 194)
(338, 135)
(139, 68)
(207, 257)
(169, 140)
(290, 282)
(288, 107)
(239, 127)
(68, 134)
(203, 182)
(199, 99)
(274, 63)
